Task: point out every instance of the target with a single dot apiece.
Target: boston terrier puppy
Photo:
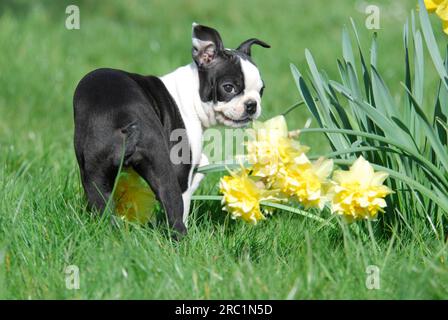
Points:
(125, 119)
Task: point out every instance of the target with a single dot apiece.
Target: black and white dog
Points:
(127, 118)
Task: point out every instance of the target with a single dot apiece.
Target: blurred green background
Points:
(41, 61)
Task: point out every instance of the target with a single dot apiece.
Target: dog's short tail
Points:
(131, 136)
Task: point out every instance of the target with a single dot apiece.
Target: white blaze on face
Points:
(233, 112)
(252, 83)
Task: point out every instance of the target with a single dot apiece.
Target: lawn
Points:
(43, 223)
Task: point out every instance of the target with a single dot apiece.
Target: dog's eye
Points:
(261, 91)
(229, 88)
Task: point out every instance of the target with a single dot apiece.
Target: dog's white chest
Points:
(183, 86)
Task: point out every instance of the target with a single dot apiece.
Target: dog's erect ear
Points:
(246, 45)
(207, 44)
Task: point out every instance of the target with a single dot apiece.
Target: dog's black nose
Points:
(251, 107)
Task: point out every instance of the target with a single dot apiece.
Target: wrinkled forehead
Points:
(228, 66)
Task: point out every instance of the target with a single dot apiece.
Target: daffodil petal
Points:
(431, 5)
(445, 27)
(442, 10)
(378, 178)
(359, 192)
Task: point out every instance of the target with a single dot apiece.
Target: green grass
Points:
(43, 224)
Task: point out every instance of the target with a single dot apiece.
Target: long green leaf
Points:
(347, 50)
(431, 167)
(338, 141)
(431, 134)
(392, 130)
(419, 68)
(383, 99)
(305, 93)
(431, 43)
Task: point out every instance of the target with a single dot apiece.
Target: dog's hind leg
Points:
(152, 164)
(100, 166)
(98, 185)
(186, 196)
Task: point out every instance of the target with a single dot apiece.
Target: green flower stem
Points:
(294, 106)
(206, 197)
(347, 151)
(269, 204)
(295, 210)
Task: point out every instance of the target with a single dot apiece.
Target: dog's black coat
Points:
(114, 108)
(127, 118)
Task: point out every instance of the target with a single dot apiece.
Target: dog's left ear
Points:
(246, 45)
(207, 44)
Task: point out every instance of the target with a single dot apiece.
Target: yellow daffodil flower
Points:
(133, 198)
(271, 148)
(280, 170)
(440, 7)
(242, 196)
(432, 5)
(359, 192)
(442, 10)
(306, 181)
